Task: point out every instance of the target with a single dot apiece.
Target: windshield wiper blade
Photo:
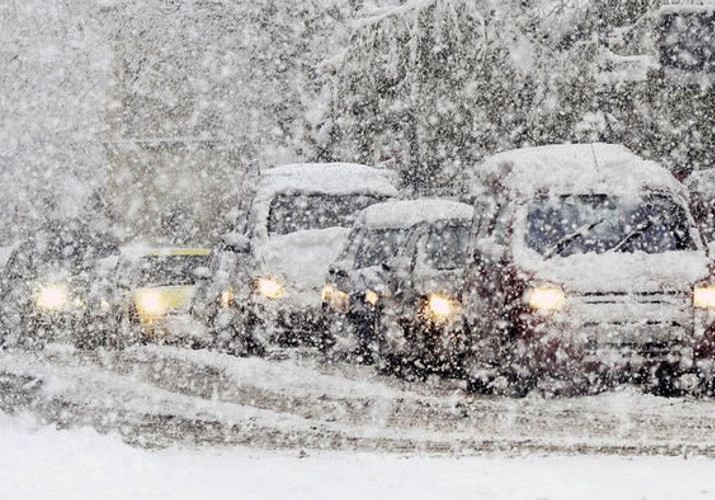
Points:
(570, 238)
(636, 231)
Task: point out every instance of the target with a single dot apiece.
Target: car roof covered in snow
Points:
(328, 178)
(686, 6)
(407, 213)
(573, 169)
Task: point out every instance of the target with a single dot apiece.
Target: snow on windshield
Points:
(302, 212)
(378, 245)
(583, 224)
(446, 245)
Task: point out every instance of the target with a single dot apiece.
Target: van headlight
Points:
(372, 297)
(227, 298)
(546, 298)
(336, 299)
(441, 308)
(704, 297)
(270, 288)
(52, 297)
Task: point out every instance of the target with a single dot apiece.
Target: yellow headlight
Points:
(372, 297)
(150, 303)
(336, 299)
(704, 297)
(228, 297)
(52, 297)
(270, 288)
(441, 307)
(546, 298)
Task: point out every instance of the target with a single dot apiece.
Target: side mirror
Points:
(236, 243)
(338, 269)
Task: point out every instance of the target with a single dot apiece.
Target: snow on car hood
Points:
(301, 259)
(618, 272)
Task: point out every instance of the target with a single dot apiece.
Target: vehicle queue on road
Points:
(567, 268)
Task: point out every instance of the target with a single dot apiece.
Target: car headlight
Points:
(441, 308)
(372, 297)
(546, 298)
(52, 297)
(151, 304)
(704, 297)
(335, 299)
(228, 298)
(270, 288)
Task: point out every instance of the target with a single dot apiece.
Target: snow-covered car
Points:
(293, 223)
(159, 286)
(586, 267)
(56, 286)
(360, 277)
(420, 328)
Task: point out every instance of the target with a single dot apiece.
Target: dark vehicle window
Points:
(688, 41)
(378, 245)
(296, 212)
(72, 250)
(572, 225)
(446, 246)
(172, 270)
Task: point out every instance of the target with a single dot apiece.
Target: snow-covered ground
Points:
(41, 462)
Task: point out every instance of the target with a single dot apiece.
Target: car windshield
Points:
(72, 250)
(570, 225)
(172, 270)
(688, 41)
(299, 212)
(446, 246)
(378, 245)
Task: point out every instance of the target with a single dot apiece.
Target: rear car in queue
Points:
(420, 324)
(268, 273)
(160, 285)
(586, 269)
(358, 278)
(57, 287)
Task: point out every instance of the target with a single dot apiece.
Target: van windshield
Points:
(446, 246)
(570, 225)
(378, 245)
(688, 41)
(300, 211)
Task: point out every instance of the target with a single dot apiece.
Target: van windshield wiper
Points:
(636, 231)
(570, 238)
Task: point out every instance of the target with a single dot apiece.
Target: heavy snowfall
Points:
(357, 249)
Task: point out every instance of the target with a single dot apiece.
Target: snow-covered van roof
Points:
(407, 213)
(573, 169)
(329, 178)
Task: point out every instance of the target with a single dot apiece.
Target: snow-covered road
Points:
(39, 462)
(158, 396)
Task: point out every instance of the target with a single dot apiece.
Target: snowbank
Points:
(40, 462)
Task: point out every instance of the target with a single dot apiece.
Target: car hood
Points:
(301, 260)
(620, 272)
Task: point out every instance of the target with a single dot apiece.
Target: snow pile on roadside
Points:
(39, 462)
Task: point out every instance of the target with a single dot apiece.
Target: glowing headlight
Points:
(270, 288)
(441, 307)
(546, 298)
(151, 303)
(52, 297)
(335, 299)
(372, 297)
(704, 297)
(228, 297)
